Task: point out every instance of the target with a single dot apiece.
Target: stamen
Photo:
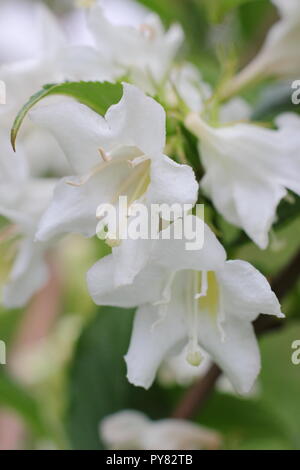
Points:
(128, 182)
(194, 356)
(139, 190)
(105, 157)
(93, 172)
(204, 286)
(221, 318)
(137, 161)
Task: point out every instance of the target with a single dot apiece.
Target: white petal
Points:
(289, 128)
(138, 121)
(256, 204)
(101, 277)
(51, 37)
(86, 63)
(172, 183)
(177, 434)
(173, 254)
(151, 343)
(238, 355)
(131, 257)
(246, 292)
(123, 430)
(244, 174)
(79, 131)
(287, 7)
(237, 109)
(29, 274)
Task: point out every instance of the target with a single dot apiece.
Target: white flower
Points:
(279, 55)
(118, 155)
(22, 201)
(190, 299)
(13, 171)
(236, 109)
(247, 170)
(144, 51)
(130, 429)
(28, 272)
(25, 77)
(186, 82)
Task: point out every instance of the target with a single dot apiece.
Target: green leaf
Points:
(280, 379)
(14, 396)
(98, 384)
(240, 420)
(98, 96)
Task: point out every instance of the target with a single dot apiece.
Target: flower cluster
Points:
(195, 303)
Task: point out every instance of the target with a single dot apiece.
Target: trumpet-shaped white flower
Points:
(144, 51)
(28, 270)
(279, 55)
(22, 201)
(193, 300)
(248, 169)
(24, 77)
(130, 429)
(186, 83)
(118, 155)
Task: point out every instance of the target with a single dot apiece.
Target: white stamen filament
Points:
(221, 318)
(105, 157)
(204, 286)
(137, 161)
(194, 356)
(93, 172)
(129, 181)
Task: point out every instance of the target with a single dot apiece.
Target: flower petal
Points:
(238, 355)
(29, 274)
(87, 63)
(256, 204)
(104, 291)
(246, 292)
(173, 254)
(131, 257)
(151, 343)
(79, 131)
(172, 183)
(138, 121)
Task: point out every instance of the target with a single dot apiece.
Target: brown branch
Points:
(195, 398)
